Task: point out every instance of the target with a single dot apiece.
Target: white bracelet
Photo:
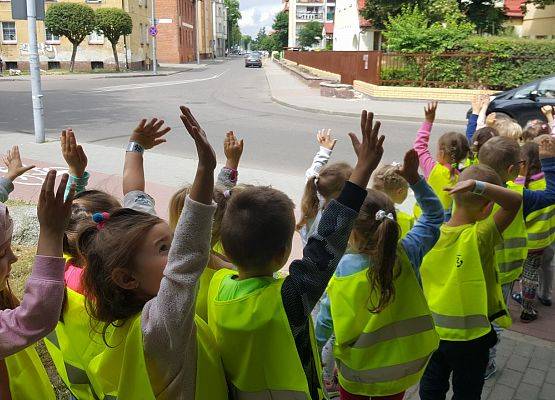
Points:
(479, 188)
(134, 147)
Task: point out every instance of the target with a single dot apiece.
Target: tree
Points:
(235, 38)
(73, 20)
(261, 38)
(310, 34)
(281, 30)
(233, 16)
(113, 23)
(245, 41)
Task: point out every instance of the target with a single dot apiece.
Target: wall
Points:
(176, 34)
(539, 22)
(205, 29)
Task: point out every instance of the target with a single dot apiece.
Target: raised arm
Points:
(426, 160)
(168, 319)
(327, 143)
(548, 112)
(40, 308)
(536, 200)
(233, 150)
(76, 160)
(473, 118)
(12, 161)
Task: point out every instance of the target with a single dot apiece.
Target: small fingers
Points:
(62, 188)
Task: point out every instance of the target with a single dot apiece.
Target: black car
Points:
(525, 102)
(253, 60)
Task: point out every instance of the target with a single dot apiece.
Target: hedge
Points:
(503, 63)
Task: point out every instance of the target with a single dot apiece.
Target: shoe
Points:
(545, 302)
(527, 317)
(332, 387)
(491, 369)
(517, 296)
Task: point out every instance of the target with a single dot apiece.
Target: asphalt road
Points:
(224, 97)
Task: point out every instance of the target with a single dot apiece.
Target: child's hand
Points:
(485, 102)
(325, 139)
(477, 101)
(409, 170)
(149, 135)
(73, 153)
(546, 146)
(206, 154)
(548, 112)
(233, 149)
(53, 213)
(12, 160)
(369, 152)
(430, 112)
(461, 187)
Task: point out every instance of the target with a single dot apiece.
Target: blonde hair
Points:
(176, 205)
(387, 180)
(508, 128)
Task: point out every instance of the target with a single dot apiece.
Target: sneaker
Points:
(545, 302)
(332, 387)
(491, 369)
(527, 317)
(517, 296)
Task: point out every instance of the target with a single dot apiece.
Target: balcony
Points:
(308, 16)
(310, 1)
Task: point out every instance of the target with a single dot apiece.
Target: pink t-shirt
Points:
(72, 277)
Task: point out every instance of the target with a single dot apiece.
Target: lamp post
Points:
(153, 17)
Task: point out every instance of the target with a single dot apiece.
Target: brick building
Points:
(176, 40)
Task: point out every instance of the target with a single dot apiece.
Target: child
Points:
(460, 283)
(533, 129)
(375, 306)
(141, 296)
(12, 161)
(262, 325)
(452, 149)
(388, 180)
(22, 375)
(480, 137)
(323, 183)
(508, 127)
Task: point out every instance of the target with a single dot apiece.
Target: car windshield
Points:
(255, 55)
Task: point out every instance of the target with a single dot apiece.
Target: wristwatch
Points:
(134, 147)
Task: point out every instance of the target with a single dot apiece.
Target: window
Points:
(547, 88)
(50, 38)
(524, 93)
(8, 32)
(96, 38)
(97, 65)
(11, 64)
(53, 65)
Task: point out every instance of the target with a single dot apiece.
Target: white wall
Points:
(346, 27)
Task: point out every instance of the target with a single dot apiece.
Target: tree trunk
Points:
(115, 56)
(73, 54)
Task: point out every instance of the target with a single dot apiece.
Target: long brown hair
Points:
(328, 184)
(530, 153)
(378, 239)
(455, 148)
(8, 301)
(480, 137)
(113, 246)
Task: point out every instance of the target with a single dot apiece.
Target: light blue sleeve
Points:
(6, 187)
(425, 233)
(80, 183)
(324, 323)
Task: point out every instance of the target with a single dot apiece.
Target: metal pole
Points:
(197, 26)
(34, 66)
(154, 61)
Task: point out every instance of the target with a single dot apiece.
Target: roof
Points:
(328, 27)
(364, 23)
(513, 8)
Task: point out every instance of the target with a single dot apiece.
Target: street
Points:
(225, 96)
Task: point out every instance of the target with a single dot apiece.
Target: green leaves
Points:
(113, 23)
(72, 20)
(309, 34)
(281, 30)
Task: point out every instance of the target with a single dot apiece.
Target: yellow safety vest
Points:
(470, 161)
(385, 353)
(267, 365)
(440, 178)
(91, 370)
(540, 224)
(511, 253)
(27, 376)
(455, 286)
(201, 307)
(405, 221)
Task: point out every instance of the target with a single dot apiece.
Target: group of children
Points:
(134, 307)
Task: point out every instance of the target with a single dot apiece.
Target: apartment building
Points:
(176, 39)
(219, 17)
(303, 11)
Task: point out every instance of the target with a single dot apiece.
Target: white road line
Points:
(153, 84)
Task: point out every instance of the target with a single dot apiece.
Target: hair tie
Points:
(380, 215)
(395, 164)
(316, 179)
(100, 218)
(227, 194)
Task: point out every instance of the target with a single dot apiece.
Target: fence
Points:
(351, 65)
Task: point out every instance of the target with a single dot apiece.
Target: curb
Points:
(385, 117)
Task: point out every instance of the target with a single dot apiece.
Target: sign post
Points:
(153, 31)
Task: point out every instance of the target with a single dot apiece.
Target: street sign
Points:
(152, 31)
(19, 9)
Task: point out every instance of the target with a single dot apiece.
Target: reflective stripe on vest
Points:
(509, 267)
(384, 374)
(268, 395)
(394, 330)
(543, 217)
(541, 235)
(466, 322)
(541, 223)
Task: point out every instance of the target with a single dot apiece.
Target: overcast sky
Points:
(258, 13)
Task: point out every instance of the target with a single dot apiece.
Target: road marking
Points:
(154, 84)
(36, 176)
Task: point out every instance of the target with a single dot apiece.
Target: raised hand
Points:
(461, 187)
(53, 213)
(430, 112)
(409, 169)
(369, 152)
(149, 134)
(12, 160)
(548, 112)
(325, 139)
(476, 104)
(233, 150)
(73, 153)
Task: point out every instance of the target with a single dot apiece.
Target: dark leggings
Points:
(466, 360)
(344, 395)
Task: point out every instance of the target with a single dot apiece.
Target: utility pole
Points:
(154, 61)
(34, 66)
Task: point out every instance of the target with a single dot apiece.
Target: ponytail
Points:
(310, 202)
(455, 148)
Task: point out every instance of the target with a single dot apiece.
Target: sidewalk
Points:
(289, 91)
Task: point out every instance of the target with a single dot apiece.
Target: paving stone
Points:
(501, 362)
(536, 363)
(524, 349)
(510, 378)
(486, 391)
(501, 392)
(534, 377)
(547, 392)
(550, 378)
(541, 353)
(517, 363)
(526, 391)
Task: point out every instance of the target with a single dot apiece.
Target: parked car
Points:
(524, 103)
(253, 60)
